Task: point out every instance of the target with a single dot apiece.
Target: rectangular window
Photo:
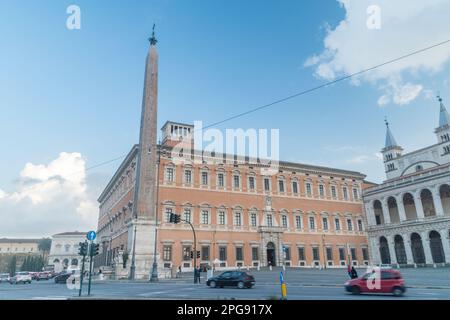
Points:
(325, 223)
(167, 253)
(333, 192)
(223, 253)
(287, 253)
(360, 225)
(187, 215)
(266, 184)
(220, 180)
(188, 176)
(308, 189)
(329, 254)
(237, 219)
(169, 174)
(187, 253)
(205, 178)
(353, 253)
(205, 253)
(236, 182)
(205, 217)
(301, 254)
(349, 225)
(312, 223)
(345, 192)
(337, 224)
(255, 254)
(253, 219)
(281, 186)
(284, 221)
(222, 218)
(298, 222)
(168, 213)
(239, 254)
(251, 183)
(315, 252)
(365, 254)
(355, 194)
(269, 220)
(321, 191)
(295, 187)
(342, 254)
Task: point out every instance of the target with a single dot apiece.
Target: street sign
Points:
(281, 278)
(91, 235)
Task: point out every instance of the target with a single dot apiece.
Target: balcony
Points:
(270, 229)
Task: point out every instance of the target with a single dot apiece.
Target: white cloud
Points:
(49, 199)
(406, 26)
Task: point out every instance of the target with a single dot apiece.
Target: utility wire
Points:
(329, 83)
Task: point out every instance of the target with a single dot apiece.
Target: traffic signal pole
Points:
(195, 250)
(91, 255)
(82, 270)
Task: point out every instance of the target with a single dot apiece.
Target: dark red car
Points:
(382, 281)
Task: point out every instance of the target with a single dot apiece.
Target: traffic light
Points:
(192, 254)
(82, 250)
(198, 254)
(94, 249)
(174, 218)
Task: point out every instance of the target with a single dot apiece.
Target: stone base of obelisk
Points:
(144, 231)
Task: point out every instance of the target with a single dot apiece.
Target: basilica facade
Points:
(409, 214)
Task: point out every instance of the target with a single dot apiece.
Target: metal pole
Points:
(195, 249)
(91, 249)
(154, 274)
(81, 275)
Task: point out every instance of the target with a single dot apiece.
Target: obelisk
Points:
(141, 230)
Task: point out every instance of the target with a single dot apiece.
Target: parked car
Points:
(240, 279)
(391, 281)
(63, 276)
(21, 277)
(4, 277)
(43, 276)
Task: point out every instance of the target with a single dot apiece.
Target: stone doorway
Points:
(271, 256)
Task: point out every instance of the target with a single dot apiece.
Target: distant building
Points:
(409, 214)
(19, 246)
(64, 250)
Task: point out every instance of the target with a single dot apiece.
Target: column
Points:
(408, 249)
(445, 244)
(426, 247)
(401, 208)
(375, 251)
(418, 205)
(370, 214)
(391, 245)
(384, 206)
(437, 201)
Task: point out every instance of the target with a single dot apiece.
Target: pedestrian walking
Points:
(354, 274)
(198, 274)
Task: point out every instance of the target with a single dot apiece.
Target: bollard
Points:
(283, 287)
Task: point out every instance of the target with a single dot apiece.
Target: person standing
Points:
(354, 273)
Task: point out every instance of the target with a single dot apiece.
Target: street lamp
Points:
(133, 257)
(154, 273)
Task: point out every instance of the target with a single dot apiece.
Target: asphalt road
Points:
(428, 284)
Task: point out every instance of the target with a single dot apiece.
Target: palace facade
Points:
(409, 214)
(244, 215)
(304, 216)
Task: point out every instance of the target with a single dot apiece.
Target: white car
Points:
(4, 277)
(21, 277)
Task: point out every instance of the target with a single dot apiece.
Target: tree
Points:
(44, 246)
(12, 265)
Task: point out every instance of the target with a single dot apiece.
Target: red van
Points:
(382, 281)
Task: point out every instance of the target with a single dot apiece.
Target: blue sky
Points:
(80, 91)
